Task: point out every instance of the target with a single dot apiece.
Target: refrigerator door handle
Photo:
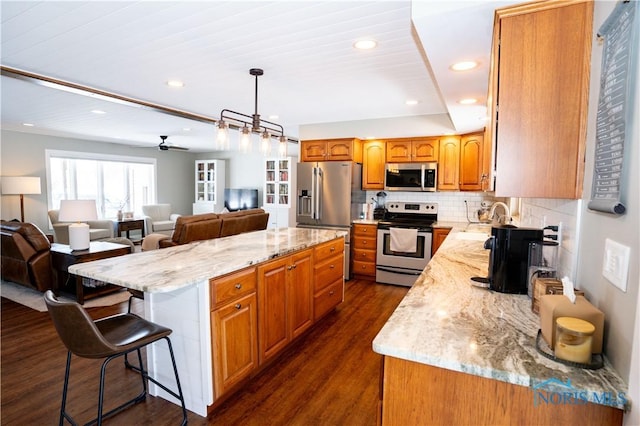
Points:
(314, 172)
(319, 182)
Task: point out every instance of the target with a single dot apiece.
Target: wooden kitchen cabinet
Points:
(449, 164)
(405, 150)
(439, 235)
(364, 251)
(474, 167)
(328, 288)
(235, 328)
(345, 149)
(285, 301)
(539, 82)
(373, 163)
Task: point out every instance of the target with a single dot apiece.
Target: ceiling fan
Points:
(164, 147)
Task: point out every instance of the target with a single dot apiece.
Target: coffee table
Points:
(62, 257)
(127, 225)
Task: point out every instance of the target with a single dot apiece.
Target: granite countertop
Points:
(444, 321)
(172, 268)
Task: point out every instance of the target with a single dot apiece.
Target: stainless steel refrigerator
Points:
(330, 195)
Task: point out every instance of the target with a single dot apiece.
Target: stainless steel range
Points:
(404, 241)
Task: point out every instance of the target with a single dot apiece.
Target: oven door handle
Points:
(395, 271)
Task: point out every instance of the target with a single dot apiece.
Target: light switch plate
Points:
(615, 265)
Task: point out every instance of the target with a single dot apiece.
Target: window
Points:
(115, 182)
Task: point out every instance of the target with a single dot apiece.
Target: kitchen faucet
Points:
(492, 212)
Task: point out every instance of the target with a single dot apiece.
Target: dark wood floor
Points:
(328, 377)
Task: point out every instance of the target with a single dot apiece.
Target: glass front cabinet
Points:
(277, 190)
(209, 186)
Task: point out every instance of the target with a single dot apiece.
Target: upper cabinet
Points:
(538, 94)
(407, 150)
(373, 153)
(449, 164)
(474, 169)
(348, 149)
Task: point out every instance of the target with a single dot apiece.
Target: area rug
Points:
(35, 300)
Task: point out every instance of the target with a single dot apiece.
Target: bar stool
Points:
(107, 338)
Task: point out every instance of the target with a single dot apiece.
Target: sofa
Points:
(158, 219)
(98, 229)
(26, 255)
(209, 226)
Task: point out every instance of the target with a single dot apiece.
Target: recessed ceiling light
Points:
(365, 44)
(98, 111)
(186, 129)
(175, 83)
(411, 102)
(28, 124)
(467, 101)
(274, 117)
(464, 66)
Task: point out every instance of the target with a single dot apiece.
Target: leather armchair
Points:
(158, 219)
(26, 255)
(98, 229)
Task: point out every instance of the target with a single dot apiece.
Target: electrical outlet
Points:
(615, 265)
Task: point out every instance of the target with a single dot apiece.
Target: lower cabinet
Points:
(364, 251)
(439, 235)
(258, 311)
(285, 301)
(328, 274)
(234, 322)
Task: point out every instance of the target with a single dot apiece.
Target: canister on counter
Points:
(574, 339)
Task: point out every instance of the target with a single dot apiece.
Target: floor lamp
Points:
(20, 185)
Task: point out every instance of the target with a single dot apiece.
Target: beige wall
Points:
(23, 154)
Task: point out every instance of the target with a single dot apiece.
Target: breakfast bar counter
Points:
(186, 288)
(457, 353)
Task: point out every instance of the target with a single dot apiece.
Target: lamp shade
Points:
(20, 185)
(77, 210)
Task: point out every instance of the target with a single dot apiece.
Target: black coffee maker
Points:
(508, 261)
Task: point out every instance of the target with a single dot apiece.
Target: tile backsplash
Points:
(451, 205)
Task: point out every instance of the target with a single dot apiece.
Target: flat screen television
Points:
(240, 199)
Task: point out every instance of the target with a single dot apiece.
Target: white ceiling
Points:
(314, 79)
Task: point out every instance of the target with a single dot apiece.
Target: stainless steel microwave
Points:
(415, 177)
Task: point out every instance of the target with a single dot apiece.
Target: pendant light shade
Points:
(265, 143)
(245, 140)
(222, 140)
(282, 146)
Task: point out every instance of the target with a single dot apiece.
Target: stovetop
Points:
(401, 214)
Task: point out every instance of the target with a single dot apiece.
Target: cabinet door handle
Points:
(238, 306)
(238, 286)
(289, 268)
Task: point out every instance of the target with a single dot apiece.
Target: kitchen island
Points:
(187, 286)
(455, 353)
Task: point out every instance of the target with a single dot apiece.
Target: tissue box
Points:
(553, 306)
(542, 286)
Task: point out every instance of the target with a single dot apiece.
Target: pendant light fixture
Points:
(248, 124)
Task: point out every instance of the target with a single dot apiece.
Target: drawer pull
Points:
(364, 242)
(331, 266)
(238, 286)
(331, 293)
(332, 248)
(238, 306)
